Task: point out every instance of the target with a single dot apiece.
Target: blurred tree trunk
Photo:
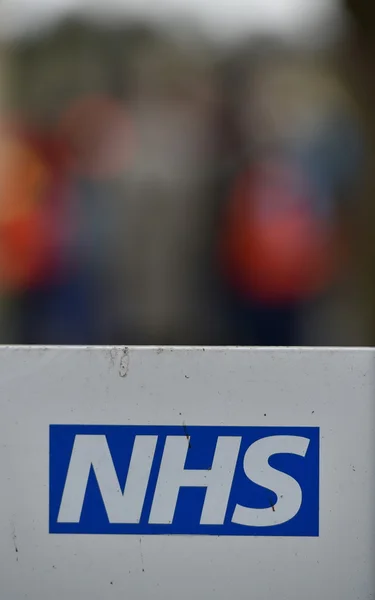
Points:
(358, 59)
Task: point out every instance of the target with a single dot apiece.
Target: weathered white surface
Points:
(332, 389)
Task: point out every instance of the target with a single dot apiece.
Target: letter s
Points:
(287, 489)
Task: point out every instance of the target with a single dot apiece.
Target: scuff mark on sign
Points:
(112, 356)
(186, 433)
(272, 505)
(124, 362)
(14, 538)
(142, 561)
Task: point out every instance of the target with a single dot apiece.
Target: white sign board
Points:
(183, 473)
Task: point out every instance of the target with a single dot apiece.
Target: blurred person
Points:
(55, 248)
(33, 231)
(282, 246)
(97, 130)
(57, 212)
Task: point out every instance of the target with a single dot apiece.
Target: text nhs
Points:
(198, 480)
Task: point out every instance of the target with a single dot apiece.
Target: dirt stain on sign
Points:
(124, 362)
(14, 538)
(186, 433)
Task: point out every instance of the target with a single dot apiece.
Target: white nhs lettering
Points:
(125, 506)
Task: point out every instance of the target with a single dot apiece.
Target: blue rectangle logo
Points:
(179, 480)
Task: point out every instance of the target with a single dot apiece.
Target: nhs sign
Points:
(170, 480)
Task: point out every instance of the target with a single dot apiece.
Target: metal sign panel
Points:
(156, 473)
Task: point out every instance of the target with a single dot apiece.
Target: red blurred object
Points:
(275, 249)
(96, 129)
(32, 196)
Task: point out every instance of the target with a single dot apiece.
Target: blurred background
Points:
(187, 172)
